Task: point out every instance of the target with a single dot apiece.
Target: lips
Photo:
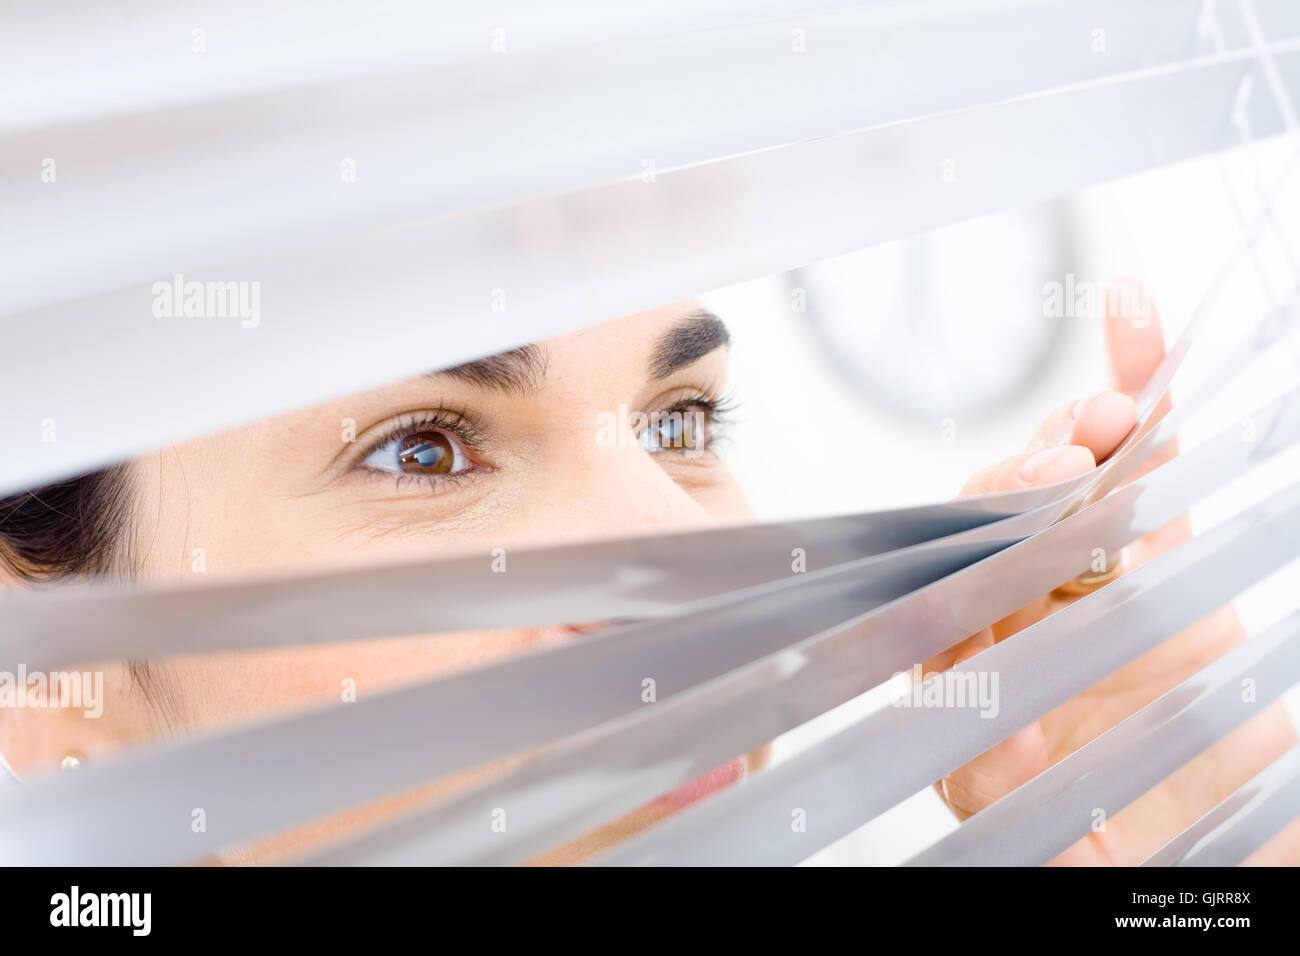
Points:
(716, 779)
(568, 633)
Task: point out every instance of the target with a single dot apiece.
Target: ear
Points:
(45, 716)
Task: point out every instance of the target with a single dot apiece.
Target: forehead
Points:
(640, 327)
(661, 339)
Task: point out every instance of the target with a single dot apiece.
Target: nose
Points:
(614, 492)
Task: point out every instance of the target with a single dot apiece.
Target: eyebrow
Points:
(516, 372)
(695, 337)
(521, 371)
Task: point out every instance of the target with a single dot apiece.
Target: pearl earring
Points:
(73, 760)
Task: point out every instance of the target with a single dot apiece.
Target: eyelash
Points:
(717, 412)
(459, 426)
(451, 421)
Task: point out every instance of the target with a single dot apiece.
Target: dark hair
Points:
(76, 526)
(80, 526)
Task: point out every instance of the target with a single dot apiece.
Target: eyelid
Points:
(452, 421)
(717, 406)
(708, 388)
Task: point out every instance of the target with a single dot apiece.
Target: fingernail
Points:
(1034, 464)
(1077, 408)
(1075, 411)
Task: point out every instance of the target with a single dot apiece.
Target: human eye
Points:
(429, 447)
(690, 426)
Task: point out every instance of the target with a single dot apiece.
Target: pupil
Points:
(427, 453)
(681, 432)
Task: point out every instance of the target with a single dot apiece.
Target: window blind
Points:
(223, 155)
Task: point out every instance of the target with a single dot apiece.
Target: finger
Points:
(1135, 339)
(1098, 423)
(1194, 789)
(1133, 555)
(1135, 346)
(1045, 467)
(996, 772)
(958, 652)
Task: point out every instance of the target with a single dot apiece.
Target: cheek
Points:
(217, 690)
(724, 501)
(194, 519)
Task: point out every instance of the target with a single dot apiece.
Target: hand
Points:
(1072, 440)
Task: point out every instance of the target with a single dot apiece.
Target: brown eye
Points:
(682, 429)
(426, 453)
(691, 432)
(422, 450)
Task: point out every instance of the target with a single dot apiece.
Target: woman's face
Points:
(512, 451)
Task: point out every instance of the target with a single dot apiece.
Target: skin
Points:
(290, 492)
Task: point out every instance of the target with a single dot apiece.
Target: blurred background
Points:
(886, 377)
